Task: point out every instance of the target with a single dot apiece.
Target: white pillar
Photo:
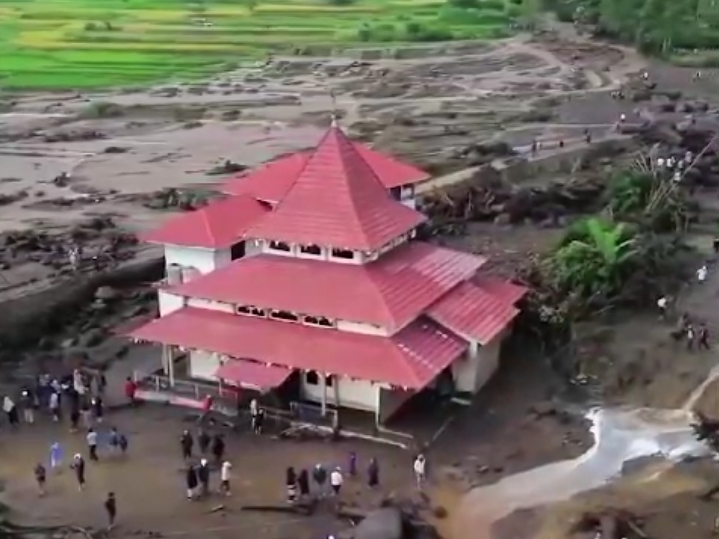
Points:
(171, 365)
(323, 383)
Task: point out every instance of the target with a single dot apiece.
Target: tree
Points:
(594, 258)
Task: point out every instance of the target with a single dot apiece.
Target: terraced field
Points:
(61, 44)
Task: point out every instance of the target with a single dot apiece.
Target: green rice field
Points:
(83, 44)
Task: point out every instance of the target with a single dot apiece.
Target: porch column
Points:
(163, 358)
(171, 365)
(323, 383)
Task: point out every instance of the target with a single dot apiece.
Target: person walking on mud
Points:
(703, 341)
(218, 448)
(92, 444)
(420, 470)
(203, 441)
(54, 405)
(319, 474)
(111, 509)
(303, 483)
(191, 481)
(291, 485)
(10, 409)
(40, 478)
(691, 337)
(98, 408)
(186, 443)
(225, 473)
(78, 466)
(203, 475)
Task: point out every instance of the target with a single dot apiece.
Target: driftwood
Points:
(304, 509)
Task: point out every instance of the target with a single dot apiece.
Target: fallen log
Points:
(303, 509)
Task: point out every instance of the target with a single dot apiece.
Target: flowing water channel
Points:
(620, 435)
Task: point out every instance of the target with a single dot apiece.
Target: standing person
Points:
(420, 470)
(303, 483)
(98, 408)
(691, 337)
(78, 465)
(336, 481)
(218, 447)
(373, 473)
(40, 478)
(186, 443)
(319, 474)
(662, 305)
(111, 508)
(203, 474)
(54, 405)
(10, 409)
(191, 479)
(55, 456)
(352, 464)
(254, 408)
(28, 406)
(101, 383)
(85, 411)
(92, 444)
(225, 473)
(131, 391)
(114, 440)
(123, 444)
(74, 414)
(702, 274)
(203, 441)
(291, 484)
(703, 337)
(259, 421)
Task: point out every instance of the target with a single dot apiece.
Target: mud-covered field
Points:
(94, 169)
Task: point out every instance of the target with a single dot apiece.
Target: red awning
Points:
(411, 358)
(252, 375)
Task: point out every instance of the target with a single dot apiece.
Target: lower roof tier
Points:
(389, 292)
(410, 359)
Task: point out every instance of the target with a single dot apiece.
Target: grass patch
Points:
(85, 44)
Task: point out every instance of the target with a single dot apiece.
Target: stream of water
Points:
(620, 435)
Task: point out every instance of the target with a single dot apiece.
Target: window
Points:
(343, 253)
(237, 250)
(243, 309)
(318, 321)
(250, 311)
(313, 250)
(255, 311)
(284, 315)
(329, 380)
(279, 246)
(396, 193)
(312, 378)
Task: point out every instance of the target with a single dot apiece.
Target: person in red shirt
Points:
(130, 390)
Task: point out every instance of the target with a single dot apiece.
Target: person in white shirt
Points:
(702, 274)
(92, 444)
(336, 481)
(420, 469)
(55, 406)
(662, 305)
(225, 478)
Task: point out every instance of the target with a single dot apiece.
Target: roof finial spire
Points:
(333, 115)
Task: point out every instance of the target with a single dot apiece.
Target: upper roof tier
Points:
(271, 181)
(337, 201)
(218, 225)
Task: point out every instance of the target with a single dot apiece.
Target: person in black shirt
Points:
(303, 482)
(218, 448)
(203, 474)
(78, 465)
(203, 441)
(186, 443)
(40, 477)
(111, 508)
(191, 479)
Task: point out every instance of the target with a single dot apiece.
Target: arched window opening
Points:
(312, 250)
(285, 316)
(343, 253)
(280, 246)
(312, 378)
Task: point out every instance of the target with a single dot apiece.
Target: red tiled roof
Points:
(507, 291)
(217, 225)
(412, 358)
(272, 180)
(252, 374)
(337, 201)
(473, 312)
(390, 292)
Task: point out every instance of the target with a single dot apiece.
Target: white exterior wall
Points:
(210, 305)
(169, 302)
(203, 365)
(357, 394)
(204, 260)
(472, 371)
(252, 247)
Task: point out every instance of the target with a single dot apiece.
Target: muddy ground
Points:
(432, 105)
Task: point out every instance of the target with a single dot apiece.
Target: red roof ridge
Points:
(337, 194)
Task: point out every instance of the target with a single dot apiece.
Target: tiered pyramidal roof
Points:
(337, 201)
